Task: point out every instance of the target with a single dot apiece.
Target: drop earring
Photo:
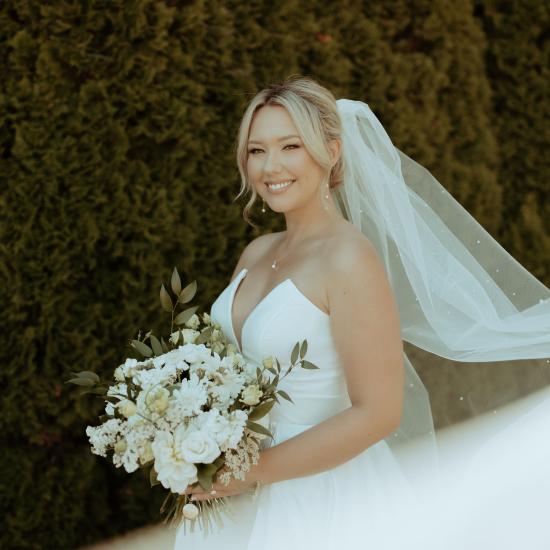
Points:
(325, 205)
(263, 205)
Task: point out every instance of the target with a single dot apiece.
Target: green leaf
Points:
(303, 349)
(258, 428)
(86, 374)
(307, 365)
(81, 382)
(205, 475)
(188, 293)
(258, 372)
(204, 336)
(157, 348)
(295, 351)
(261, 410)
(285, 395)
(165, 300)
(153, 477)
(165, 347)
(185, 315)
(278, 365)
(175, 282)
(142, 348)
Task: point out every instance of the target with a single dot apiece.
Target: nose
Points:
(272, 164)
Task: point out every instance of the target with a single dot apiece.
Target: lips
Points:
(280, 185)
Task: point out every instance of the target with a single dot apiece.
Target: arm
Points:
(365, 327)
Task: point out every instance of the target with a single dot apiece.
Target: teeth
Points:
(280, 185)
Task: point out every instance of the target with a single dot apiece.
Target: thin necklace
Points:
(275, 264)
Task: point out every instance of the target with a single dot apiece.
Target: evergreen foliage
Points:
(117, 149)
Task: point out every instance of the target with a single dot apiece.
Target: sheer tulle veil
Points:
(460, 294)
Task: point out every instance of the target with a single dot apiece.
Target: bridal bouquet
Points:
(191, 410)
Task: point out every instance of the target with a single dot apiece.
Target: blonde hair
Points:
(314, 112)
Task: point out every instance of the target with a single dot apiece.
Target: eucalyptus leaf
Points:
(153, 477)
(204, 336)
(205, 475)
(185, 315)
(175, 282)
(295, 351)
(87, 374)
(157, 348)
(303, 349)
(142, 348)
(261, 410)
(81, 382)
(285, 395)
(165, 300)
(188, 293)
(165, 347)
(258, 428)
(307, 365)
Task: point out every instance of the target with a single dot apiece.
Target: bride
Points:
(375, 252)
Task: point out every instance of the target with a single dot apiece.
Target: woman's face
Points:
(276, 155)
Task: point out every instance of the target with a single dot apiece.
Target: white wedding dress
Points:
(351, 506)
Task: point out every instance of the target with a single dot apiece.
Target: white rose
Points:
(251, 395)
(119, 374)
(198, 446)
(173, 472)
(190, 511)
(126, 407)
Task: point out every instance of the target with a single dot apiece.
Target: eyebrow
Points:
(280, 139)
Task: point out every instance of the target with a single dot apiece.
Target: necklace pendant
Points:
(274, 264)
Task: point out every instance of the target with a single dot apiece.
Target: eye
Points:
(253, 151)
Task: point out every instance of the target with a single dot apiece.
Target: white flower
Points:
(188, 399)
(126, 407)
(104, 436)
(251, 395)
(193, 322)
(198, 446)
(156, 399)
(189, 335)
(119, 374)
(173, 471)
(226, 387)
(190, 511)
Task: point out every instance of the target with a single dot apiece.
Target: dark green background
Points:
(118, 125)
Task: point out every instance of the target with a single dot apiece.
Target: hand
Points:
(235, 487)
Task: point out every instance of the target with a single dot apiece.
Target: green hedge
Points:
(117, 163)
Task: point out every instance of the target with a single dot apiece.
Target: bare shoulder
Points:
(254, 250)
(350, 252)
(356, 273)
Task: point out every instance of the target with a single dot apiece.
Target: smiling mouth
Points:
(280, 185)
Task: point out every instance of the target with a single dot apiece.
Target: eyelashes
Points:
(251, 151)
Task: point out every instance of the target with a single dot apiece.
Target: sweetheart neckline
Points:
(234, 290)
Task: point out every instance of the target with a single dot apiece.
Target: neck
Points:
(310, 220)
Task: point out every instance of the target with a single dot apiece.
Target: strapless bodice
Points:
(283, 317)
